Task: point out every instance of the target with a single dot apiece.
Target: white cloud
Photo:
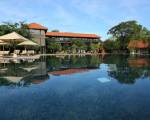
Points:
(87, 15)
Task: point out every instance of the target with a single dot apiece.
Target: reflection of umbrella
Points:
(30, 68)
(13, 79)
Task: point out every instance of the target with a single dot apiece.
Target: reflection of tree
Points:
(116, 59)
(4, 81)
(127, 73)
(122, 68)
(54, 63)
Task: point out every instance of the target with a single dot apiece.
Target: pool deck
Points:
(19, 57)
(70, 54)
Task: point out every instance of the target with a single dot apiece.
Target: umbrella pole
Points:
(3, 49)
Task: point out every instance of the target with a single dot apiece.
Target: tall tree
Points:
(19, 27)
(125, 31)
(55, 30)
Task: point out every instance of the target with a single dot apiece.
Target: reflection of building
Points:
(69, 71)
(138, 62)
(138, 47)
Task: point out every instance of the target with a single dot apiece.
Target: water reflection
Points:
(129, 69)
(124, 69)
(23, 72)
(68, 87)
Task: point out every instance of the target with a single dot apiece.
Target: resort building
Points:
(72, 41)
(38, 34)
(138, 47)
(66, 37)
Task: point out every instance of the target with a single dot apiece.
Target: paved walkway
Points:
(19, 57)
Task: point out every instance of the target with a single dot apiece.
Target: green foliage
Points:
(74, 48)
(55, 30)
(53, 46)
(94, 47)
(111, 45)
(20, 27)
(126, 31)
(144, 34)
(78, 44)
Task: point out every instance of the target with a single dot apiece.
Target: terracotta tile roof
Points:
(138, 44)
(67, 34)
(37, 26)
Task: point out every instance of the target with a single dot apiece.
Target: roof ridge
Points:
(35, 25)
(73, 33)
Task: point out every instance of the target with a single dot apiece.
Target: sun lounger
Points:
(30, 52)
(17, 52)
(2, 53)
(24, 52)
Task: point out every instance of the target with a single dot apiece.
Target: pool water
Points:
(108, 87)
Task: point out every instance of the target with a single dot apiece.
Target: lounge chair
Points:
(2, 53)
(30, 52)
(6, 52)
(17, 52)
(24, 52)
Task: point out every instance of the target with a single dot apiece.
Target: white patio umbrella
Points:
(28, 43)
(29, 69)
(13, 38)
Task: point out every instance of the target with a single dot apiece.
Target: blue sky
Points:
(85, 16)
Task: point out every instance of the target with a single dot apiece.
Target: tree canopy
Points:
(55, 30)
(53, 46)
(19, 27)
(129, 30)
